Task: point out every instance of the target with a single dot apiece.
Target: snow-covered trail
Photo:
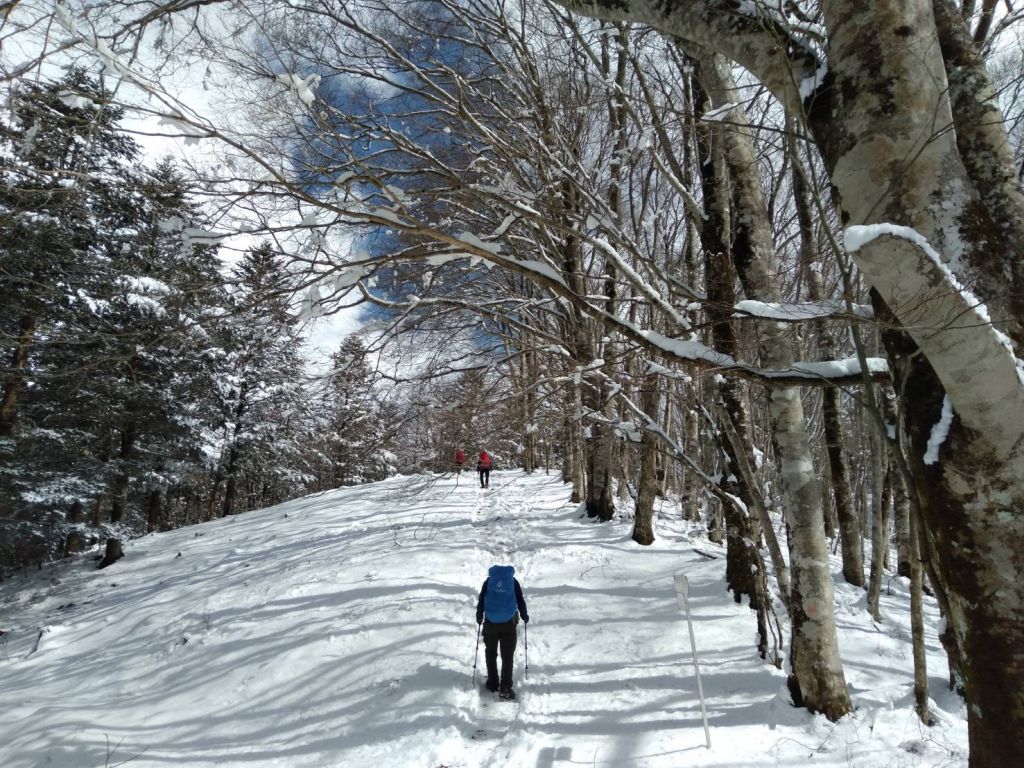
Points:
(338, 630)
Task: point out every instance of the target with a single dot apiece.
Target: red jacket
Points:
(484, 461)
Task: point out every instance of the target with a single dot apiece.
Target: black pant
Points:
(485, 476)
(503, 635)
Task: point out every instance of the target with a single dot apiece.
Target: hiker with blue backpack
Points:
(500, 605)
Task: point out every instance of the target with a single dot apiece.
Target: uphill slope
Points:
(338, 630)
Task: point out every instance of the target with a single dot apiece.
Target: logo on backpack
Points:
(500, 597)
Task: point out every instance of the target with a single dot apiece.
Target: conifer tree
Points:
(260, 395)
(355, 445)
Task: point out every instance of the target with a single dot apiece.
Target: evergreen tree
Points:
(355, 445)
(261, 395)
(101, 314)
(68, 208)
(166, 293)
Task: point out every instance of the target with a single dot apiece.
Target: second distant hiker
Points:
(483, 466)
(499, 607)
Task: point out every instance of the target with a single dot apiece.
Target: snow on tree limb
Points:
(974, 361)
(800, 311)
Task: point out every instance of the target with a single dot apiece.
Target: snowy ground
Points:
(338, 630)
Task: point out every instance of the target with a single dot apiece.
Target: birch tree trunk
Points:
(851, 537)
(880, 502)
(574, 444)
(973, 484)
(691, 485)
(917, 626)
(746, 525)
(531, 375)
(881, 115)
(905, 547)
(817, 675)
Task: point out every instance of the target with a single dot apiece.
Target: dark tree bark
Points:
(744, 526)
(647, 486)
(113, 553)
(154, 511)
(16, 379)
(119, 492)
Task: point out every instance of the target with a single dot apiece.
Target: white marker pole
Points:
(683, 597)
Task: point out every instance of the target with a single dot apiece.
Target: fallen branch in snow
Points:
(39, 637)
(110, 754)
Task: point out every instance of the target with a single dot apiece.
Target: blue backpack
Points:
(500, 597)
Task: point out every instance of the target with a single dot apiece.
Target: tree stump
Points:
(113, 553)
(74, 543)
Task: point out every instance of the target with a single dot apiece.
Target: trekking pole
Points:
(526, 651)
(476, 653)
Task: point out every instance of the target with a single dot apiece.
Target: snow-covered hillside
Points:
(339, 630)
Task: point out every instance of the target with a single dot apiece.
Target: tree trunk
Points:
(917, 627)
(851, 536)
(119, 493)
(881, 117)
(154, 512)
(751, 496)
(745, 569)
(16, 379)
(901, 522)
(567, 450)
(647, 486)
(231, 483)
(525, 384)
(691, 493)
(818, 679)
(113, 553)
(75, 512)
(74, 543)
(988, 159)
(599, 448)
(231, 466)
(211, 501)
(880, 497)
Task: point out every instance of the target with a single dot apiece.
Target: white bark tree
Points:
(903, 114)
(895, 97)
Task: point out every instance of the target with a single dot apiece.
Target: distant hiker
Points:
(460, 460)
(483, 466)
(500, 605)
